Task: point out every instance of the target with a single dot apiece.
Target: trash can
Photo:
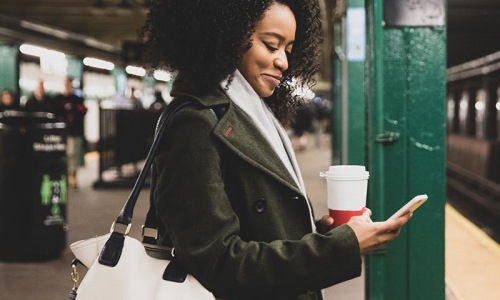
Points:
(33, 186)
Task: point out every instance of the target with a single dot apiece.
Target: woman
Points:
(228, 191)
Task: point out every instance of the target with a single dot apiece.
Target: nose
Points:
(281, 61)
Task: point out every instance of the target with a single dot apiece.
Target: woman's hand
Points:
(326, 220)
(374, 235)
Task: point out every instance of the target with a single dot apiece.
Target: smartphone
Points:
(410, 206)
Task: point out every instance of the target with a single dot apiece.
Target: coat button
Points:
(260, 205)
(295, 198)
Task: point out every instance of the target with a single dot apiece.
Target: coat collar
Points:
(236, 130)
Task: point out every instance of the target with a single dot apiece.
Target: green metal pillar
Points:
(348, 69)
(9, 71)
(120, 79)
(406, 105)
(75, 68)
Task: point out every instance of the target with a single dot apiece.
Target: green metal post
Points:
(349, 104)
(120, 79)
(75, 68)
(406, 104)
(9, 71)
(337, 92)
(375, 263)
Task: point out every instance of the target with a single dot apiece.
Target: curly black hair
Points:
(205, 42)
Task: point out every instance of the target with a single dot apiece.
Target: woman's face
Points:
(265, 62)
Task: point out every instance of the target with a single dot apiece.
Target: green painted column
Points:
(406, 131)
(337, 92)
(349, 100)
(75, 68)
(120, 79)
(9, 71)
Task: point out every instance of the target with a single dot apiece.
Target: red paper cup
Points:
(343, 216)
(346, 186)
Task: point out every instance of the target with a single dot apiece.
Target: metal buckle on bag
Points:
(75, 277)
(127, 230)
(149, 232)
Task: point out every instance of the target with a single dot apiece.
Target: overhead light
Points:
(137, 71)
(162, 75)
(98, 63)
(33, 50)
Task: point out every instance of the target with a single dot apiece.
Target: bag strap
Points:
(126, 214)
(111, 252)
(149, 229)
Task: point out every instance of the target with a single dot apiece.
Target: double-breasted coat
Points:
(234, 214)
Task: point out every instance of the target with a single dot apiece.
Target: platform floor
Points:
(472, 258)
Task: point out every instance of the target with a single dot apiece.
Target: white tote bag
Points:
(119, 266)
(137, 276)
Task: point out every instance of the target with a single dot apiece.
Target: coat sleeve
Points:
(198, 219)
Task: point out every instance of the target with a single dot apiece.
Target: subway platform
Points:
(472, 258)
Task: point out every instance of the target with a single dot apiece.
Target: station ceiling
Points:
(473, 26)
(109, 21)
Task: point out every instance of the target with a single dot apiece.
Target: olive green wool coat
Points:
(237, 219)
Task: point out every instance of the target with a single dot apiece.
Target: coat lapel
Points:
(237, 132)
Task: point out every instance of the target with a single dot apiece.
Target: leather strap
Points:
(126, 214)
(151, 222)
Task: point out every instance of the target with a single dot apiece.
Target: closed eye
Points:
(270, 48)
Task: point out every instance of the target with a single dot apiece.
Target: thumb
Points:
(327, 220)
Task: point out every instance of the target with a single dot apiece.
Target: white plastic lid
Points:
(346, 172)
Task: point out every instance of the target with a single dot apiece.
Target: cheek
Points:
(249, 70)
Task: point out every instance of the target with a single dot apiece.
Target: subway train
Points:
(473, 140)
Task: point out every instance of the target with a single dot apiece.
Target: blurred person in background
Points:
(135, 100)
(71, 109)
(303, 125)
(39, 101)
(159, 103)
(9, 101)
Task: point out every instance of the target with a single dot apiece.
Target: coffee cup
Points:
(346, 189)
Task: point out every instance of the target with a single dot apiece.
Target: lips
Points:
(273, 79)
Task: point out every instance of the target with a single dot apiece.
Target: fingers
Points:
(365, 218)
(367, 211)
(375, 235)
(327, 220)
(400, 221)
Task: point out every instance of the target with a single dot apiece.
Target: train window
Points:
(497, 106)
(451, 113)
(463, 110)
(480, 113)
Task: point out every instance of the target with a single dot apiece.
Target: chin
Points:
(265, 93)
